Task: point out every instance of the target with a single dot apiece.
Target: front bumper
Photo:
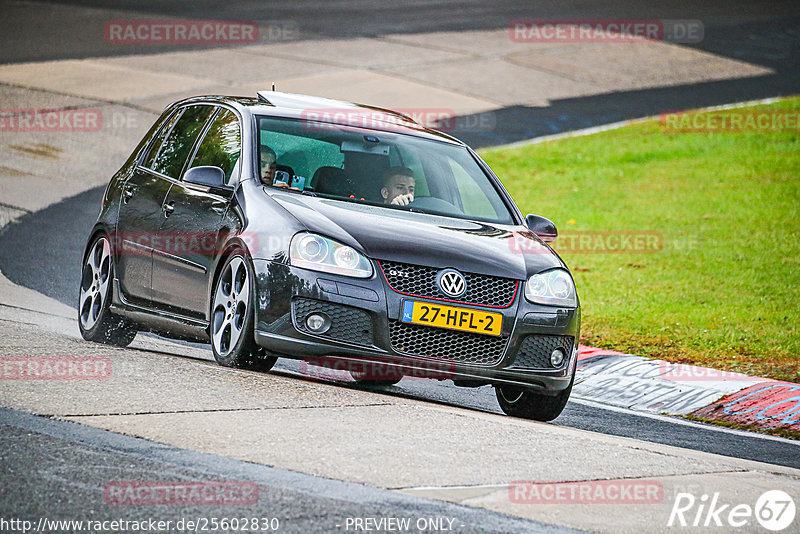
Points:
(366, 311)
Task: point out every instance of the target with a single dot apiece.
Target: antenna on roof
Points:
(273, 86)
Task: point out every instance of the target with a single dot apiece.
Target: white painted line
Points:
(680, 421)
(622, 124)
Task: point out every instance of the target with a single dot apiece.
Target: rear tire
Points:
(232, 318)
(95, 320)
(520, 402)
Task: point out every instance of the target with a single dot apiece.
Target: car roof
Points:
(318, 109)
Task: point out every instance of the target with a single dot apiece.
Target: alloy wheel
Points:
(94, 283)
(231, 303)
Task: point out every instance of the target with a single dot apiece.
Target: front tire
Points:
(232, 318)
(95, 320)
(520, 402)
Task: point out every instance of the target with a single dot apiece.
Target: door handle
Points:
(168, 208)
(127, 193)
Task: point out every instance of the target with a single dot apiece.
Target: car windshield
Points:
(392, 169)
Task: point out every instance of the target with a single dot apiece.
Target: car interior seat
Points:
(332, 181)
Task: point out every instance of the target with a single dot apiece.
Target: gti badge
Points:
(451, 282)
(401, 274)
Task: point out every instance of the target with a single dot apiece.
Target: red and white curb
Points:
(658, 386)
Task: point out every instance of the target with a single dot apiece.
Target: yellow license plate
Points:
(451, 317)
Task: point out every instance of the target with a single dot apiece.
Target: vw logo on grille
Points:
(451, 282)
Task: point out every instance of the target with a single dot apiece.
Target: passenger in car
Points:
(398, 186)
(269, 164)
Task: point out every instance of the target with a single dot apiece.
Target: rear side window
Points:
(180, 141)
(159, 139)
(222, 144)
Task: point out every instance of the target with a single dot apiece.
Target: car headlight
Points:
(553, 287)
(312, 251)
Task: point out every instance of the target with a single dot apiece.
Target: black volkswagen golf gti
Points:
(307, 228)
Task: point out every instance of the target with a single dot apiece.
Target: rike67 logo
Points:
(774, 510)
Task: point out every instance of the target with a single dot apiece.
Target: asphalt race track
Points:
(299, 500)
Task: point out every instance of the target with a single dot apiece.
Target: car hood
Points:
(437, 241)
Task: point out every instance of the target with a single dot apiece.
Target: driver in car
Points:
(398, 186)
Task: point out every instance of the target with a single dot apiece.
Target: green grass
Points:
(724, 290)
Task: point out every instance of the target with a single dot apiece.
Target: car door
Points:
(155, 177)
(194, 215)
(139, 219)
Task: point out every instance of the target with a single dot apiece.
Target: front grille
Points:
(451, 345)
(348, 324)
(535, 350)
(420, 281)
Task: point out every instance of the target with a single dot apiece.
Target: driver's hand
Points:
(403, 200)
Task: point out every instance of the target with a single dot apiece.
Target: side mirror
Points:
(207, 175)
(542, 227)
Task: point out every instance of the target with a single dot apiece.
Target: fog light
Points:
(557, 358)
(319, 323)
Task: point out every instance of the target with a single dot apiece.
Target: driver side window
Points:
(473, 199)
